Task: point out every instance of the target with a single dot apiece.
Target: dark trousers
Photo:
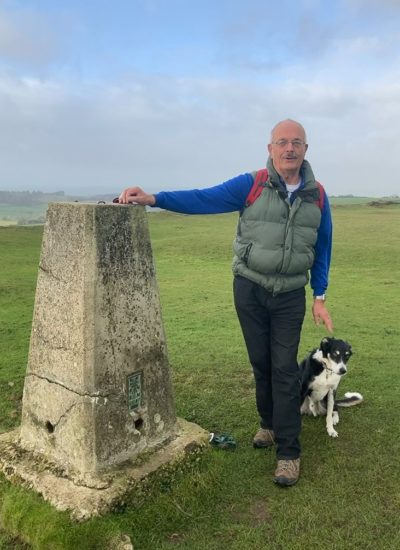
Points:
(271, 327)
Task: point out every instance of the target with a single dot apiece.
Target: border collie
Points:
(321, 372)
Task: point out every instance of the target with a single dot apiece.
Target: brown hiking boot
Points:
(287, 472)
(263, 438)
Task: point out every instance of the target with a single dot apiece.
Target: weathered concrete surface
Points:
(97, 321)
(82, 501)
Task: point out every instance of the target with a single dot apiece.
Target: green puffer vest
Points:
(274, 245)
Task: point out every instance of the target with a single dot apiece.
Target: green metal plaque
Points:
(134, 391)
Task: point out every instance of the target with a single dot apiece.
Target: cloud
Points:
(26, 37)
(84, 128)
(163, 132)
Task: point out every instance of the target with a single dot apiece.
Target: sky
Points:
(99, 95)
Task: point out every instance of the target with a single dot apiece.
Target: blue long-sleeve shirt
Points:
(231, 196)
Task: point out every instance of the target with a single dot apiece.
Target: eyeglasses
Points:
(297, 143)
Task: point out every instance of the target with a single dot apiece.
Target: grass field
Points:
(349, 201)
(348, 496)
(12, 214)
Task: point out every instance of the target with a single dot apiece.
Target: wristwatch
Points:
(322, 297)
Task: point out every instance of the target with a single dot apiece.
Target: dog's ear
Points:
(350, 349)
(325, 343)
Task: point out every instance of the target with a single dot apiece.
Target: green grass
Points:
(349, 201)
(349, 492)
(10, 214)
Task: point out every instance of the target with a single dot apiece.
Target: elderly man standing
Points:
(283, 234)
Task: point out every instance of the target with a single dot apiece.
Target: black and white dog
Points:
(321, 373)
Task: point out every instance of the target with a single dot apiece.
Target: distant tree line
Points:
(28, 198)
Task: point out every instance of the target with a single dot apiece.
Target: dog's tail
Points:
(350, 399)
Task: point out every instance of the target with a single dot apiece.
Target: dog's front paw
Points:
(332, 432)
(335, 418)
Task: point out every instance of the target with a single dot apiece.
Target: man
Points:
(285, 233)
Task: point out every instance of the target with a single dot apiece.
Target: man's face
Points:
(288, 148)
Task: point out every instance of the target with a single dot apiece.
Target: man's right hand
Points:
(320, 313)
(137, 196)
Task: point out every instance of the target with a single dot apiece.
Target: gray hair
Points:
(288, 120)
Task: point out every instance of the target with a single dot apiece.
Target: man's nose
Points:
(289, 146)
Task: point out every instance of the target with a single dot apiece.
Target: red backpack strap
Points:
(321, 199)
(260, 178)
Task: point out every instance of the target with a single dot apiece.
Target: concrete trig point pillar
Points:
(98, 391)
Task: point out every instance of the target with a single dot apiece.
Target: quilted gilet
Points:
(275, 240)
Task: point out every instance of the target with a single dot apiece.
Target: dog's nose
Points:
(342, 370)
